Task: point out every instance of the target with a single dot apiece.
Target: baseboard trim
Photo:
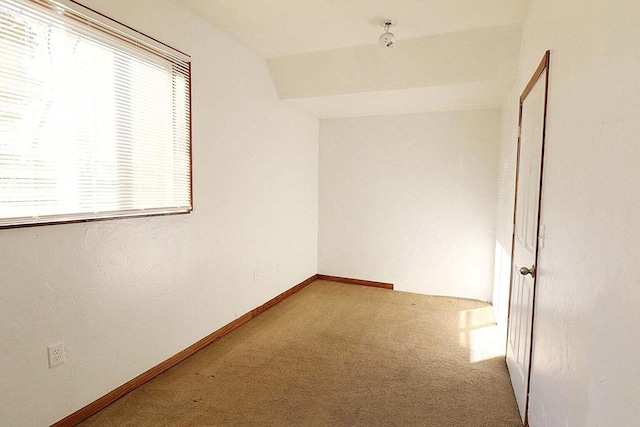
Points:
(355, 281)
(96, 406)
(278, 299)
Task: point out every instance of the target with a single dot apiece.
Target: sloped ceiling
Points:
(324, 58)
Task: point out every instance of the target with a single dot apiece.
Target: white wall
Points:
(125, 295)
(411, 200)
(586, 362)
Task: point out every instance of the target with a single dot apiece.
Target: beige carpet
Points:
(338, 355)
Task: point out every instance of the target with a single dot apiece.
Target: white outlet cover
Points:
(55, 353)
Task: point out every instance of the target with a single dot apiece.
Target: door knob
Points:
(532, 271)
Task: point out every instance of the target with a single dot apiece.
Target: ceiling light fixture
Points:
(387, 39)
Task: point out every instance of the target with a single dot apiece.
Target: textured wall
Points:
(411, 200)
(125, 295)
(586, 341)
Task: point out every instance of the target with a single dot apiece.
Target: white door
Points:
(525, 238)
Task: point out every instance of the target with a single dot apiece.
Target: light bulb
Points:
(387, 40)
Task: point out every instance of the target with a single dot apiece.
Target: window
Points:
(94, 118)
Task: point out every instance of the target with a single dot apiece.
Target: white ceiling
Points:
(469, 96)
(323, 54)
(290, 27)
(454, 58)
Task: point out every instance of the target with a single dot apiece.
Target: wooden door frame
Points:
(542, 68)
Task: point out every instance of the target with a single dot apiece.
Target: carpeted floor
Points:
(338, 355)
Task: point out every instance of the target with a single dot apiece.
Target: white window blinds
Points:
(94, 118)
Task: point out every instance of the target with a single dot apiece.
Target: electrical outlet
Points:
(56, 354)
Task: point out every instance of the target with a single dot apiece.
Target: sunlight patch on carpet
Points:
(479, 334)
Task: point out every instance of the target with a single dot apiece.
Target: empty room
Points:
(269, 212)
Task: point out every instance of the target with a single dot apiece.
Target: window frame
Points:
(137, 39)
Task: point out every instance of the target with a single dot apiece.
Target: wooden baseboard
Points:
(355, 281)
(94, 407)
